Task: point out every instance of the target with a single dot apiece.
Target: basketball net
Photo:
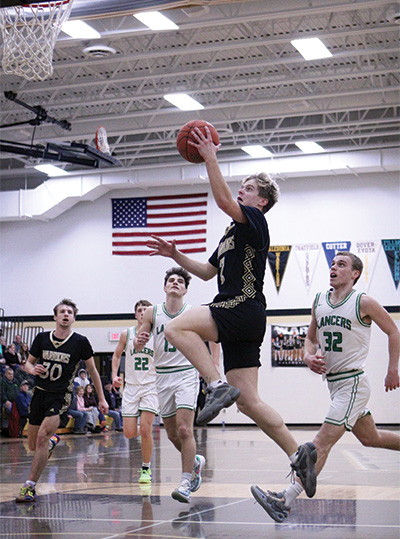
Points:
(29, 36)
(102, 140)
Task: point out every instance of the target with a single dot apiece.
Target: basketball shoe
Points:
(272, 502)
(217, 398)
(182, 493)
(26, 494)
(196, 480)
(145, 475)
(304, 467)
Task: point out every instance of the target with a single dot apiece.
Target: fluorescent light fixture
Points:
(307, 146)
(80, 30)
(256, 151)
(183, 102)
(51, 170)
(311, 48)
(155, 21)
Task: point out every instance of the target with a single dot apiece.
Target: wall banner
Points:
(307, 256)
(392, 252)
(332, 247)
(368, 252)
(278, 256)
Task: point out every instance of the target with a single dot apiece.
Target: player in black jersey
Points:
(54, 360)
(237, 316)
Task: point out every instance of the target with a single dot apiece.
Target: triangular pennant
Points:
(277, 257)
(332, 247)
(307, 256)
(392, 252)
(368, 252)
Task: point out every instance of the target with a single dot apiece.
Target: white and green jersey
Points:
(139, 366)
(342, 334)
(167, 358)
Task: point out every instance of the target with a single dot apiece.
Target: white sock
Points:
(31, 483)
(145, 464)
(186, 477)
(213, 385)
(291, 493)
(293, 458)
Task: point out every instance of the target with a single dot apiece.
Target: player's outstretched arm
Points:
(314, 360)
(144, 329)
(95, 377)
(116, 359)
(371, 310)
(220, 189)
(203, 270)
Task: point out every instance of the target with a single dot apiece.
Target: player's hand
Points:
(141, 339)
(103, 406)
(117, 382)
(316, 363)
(392, 381)
(39, 369)
(204, 144)
(161, 247)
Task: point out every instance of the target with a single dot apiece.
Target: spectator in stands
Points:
(91, 399)
(20, 375)
(17, 342)
(82, 379)
(91, 411)
(113, 405)
(9, 390)
(80, 417)
(3, 346)
(23, 401)
(23, 353)
(11, 357)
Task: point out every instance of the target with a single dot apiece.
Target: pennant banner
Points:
(307, 256)
(277, 257)
(367, 251)
(392, 252)
(332, 247)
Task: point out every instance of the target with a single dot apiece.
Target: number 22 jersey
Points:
(60, 358)
(139, 366)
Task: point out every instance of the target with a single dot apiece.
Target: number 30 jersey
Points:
(60, 358)
(139, 366)
(342, 334)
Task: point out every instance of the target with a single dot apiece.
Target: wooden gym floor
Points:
(90, 490)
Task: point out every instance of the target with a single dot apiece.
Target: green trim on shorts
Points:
(172, 369)
(335, 376)
(339, 424)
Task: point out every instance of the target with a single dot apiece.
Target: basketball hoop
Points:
(29, 34)
(102, 141)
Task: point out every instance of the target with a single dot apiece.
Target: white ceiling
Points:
(233, 57)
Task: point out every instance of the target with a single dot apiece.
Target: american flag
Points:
(179, 217)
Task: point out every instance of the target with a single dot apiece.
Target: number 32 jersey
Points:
(139, 366)
(60, 358)
(342, 334)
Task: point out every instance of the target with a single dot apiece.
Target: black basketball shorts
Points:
(46, 404)
(241, 330)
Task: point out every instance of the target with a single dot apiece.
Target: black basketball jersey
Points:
(61, 359)
(241, 257)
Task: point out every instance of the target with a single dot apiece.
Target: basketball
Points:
(188, 151)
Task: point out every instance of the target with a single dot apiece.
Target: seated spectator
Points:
(23, 401)
(20, 375)
(82, 379)
(81, 418)
(91, 399)
(3, 346)
(17, 343)
(113, 401)
(92, 412)
(23, 353)
(9, 390)
(11, 357)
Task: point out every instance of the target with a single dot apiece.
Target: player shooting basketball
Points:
(237, 316)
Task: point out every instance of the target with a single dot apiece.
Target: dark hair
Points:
(67, 302)
(178, 271)
(356, 263)
(143, 302)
